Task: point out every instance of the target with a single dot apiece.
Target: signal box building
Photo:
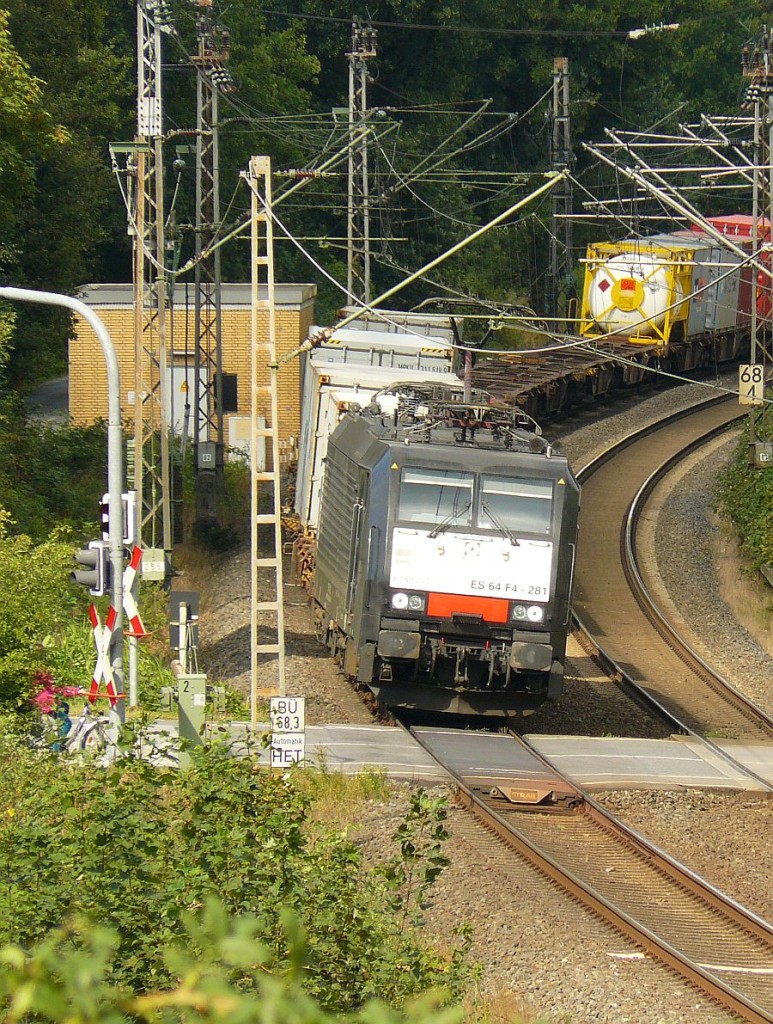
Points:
(114, 304)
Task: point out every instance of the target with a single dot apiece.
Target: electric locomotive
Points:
(445, 553)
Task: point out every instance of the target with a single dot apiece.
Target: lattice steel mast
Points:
(208, 443)
(757, 67)
(561, 263)
(151, 439)
(358, 210)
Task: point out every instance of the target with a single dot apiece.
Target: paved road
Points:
(49, 402)
(592, 762)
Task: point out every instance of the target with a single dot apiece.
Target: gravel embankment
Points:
(541, 953)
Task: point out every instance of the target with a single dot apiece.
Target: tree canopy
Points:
(459, 95)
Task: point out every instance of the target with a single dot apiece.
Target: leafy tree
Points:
(50, 475)
(27, 132)
(37, 603)
(68, 224)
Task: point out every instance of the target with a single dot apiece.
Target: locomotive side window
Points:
(517, 503)
(434, 496)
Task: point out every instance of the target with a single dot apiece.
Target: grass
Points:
(744, 591)
(336, 796)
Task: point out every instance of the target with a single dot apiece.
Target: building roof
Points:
(288, 296)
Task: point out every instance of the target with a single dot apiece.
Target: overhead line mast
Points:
(151, 439)
(757, 66)
(561, 263)
(208, 442)
(358, 210)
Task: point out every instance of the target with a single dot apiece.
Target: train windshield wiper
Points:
(499, 523)
(449, 520)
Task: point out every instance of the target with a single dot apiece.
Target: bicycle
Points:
(97, 735)
(94, 734)
(90, 731)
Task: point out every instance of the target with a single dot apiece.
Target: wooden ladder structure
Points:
(266, 505)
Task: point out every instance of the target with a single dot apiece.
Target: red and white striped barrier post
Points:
(136, 625)
(103, 670)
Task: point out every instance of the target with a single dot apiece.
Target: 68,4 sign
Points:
(751, 384)
(288, 724)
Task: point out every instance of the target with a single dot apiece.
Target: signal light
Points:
(129, 514)
(96, 572)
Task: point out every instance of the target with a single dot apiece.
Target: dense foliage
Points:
(50, 475)
(746, 495)
(67, 978)
(140, 853)
(37, 605)
(69, 89)
(49, 478)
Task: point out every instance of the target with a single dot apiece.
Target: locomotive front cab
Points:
(475, 602)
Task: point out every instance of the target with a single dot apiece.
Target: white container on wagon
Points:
(352, 371)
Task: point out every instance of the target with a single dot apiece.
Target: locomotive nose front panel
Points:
(476, 566)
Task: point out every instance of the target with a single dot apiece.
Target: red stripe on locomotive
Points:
(491, 609)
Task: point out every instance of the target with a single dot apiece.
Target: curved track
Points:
(708, 939)
(610, 602)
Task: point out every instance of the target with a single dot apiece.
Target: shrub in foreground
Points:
(138, 850)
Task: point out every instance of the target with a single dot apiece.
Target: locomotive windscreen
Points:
(432, 496)
(520, 504)
(447, 497)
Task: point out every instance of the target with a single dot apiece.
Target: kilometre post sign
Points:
(751, 384)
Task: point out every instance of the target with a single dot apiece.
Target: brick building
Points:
(114, 304)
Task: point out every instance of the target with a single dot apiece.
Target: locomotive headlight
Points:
(519, 611)
(401, 601)
(535, 613)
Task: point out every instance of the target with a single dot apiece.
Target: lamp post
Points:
(114, 465)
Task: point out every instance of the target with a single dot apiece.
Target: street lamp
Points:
(114, 465)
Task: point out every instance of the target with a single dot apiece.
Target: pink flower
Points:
(45, 699)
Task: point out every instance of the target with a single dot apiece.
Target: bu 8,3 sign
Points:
(287, 714)
(288, 738)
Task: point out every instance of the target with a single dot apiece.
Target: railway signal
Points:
(129, 513)
(95, 574)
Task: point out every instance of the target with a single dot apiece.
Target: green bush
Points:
(745, 494)
(38, 606)
(222, 969)
(136, 849)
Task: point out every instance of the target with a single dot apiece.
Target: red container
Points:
(740, 227)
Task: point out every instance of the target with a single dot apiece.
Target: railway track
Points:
(670, 913)
(705, 937)
(613, 607)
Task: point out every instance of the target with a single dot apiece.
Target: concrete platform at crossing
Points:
(595, 763)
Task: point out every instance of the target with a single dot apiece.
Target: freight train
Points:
(445, 552)
(687, 296)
